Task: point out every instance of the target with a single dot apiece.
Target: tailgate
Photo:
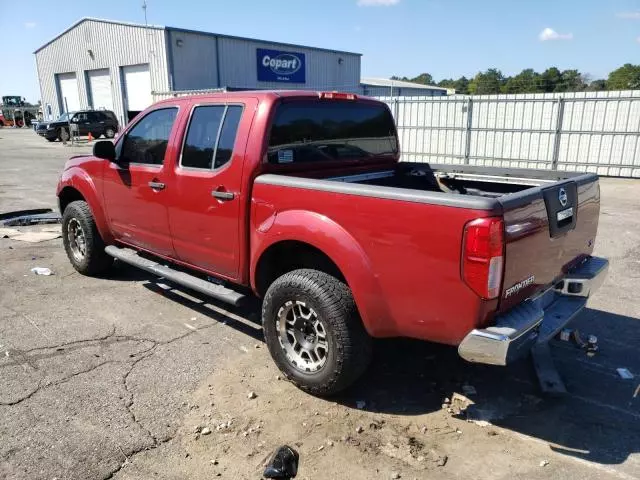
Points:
(548, 229)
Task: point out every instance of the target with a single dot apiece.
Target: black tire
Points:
(63, 135)
(51, 139)
(349, 345)
(109, 132)
(94, 261)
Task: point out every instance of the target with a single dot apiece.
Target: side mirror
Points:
(105, 149)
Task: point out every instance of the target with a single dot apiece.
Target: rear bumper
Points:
(535, 320)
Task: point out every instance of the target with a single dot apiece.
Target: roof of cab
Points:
(259, 94)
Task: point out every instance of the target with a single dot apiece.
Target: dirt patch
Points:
(245, 411)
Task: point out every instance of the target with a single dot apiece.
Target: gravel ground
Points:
(115, 377)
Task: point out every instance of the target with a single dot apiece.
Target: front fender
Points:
(338, 244)
(81, 181)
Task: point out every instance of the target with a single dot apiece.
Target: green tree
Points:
(626, 77)
(571, 81)
(550, 79)
(460, 85)
(486, 83)
(527, 81)
(597, 85)
(424, 79)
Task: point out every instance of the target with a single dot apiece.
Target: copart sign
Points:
(279, 66)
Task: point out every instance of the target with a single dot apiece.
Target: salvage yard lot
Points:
(113, 377)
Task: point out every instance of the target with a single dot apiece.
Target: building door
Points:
(69, 99)
(137, 89)
(136, 188)
(100, 89)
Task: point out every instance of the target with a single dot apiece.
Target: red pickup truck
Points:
(299, 198)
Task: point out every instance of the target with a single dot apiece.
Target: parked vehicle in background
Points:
(96, 122)
(299, 198)
(15, 111)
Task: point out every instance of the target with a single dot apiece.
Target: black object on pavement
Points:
(283, 463)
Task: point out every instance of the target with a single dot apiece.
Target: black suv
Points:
(96, 122)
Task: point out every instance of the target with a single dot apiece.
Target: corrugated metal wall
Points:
(238, 67)
(378, 91)
(112, 45)
(194, 60)
(194, 64)
(582, 131)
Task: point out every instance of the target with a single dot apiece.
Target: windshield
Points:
(64, 117)
(312, 131)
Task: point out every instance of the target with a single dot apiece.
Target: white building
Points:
(115, 65)
(384, 87)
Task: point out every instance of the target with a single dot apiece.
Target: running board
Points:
(213, 290)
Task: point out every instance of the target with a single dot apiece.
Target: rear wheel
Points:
(52, 139)
(82, 241)
(313, 331)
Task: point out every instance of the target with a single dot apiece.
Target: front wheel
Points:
(82, 241)
(109, 133)
(314, 333)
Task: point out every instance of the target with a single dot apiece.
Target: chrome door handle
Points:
(157, 185)
(222, 195)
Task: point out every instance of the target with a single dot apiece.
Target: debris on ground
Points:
(205, 431)
(283, 463)
(459, 403)
(8, 232)
(29, 217)
(625, 373)
(544, 463)
(412, 454)
(395, 475)
(359, 429)
(42, 271)
(251, 395)
(360, 404)
(36, 237)
(223, 425)
(637, 392)
(376, 424)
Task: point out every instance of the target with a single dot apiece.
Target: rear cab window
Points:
(210, 137)
(330, 131)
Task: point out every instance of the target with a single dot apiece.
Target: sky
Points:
(447, 38)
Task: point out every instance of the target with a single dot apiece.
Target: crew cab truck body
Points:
(298, 198)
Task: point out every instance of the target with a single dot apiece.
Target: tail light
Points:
(337, 96)
(483, 256)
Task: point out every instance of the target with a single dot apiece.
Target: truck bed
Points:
(540, 247)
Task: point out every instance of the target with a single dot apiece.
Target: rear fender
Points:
(335, 242)
(81, 181)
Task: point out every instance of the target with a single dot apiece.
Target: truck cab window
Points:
(147, 141)
(211, 136)
(201, 136)
(228, 135)
(317, 130)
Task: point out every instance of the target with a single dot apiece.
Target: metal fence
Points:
(585, 131)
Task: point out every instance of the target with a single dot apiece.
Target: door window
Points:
(147, 141)
(228, 135)
(80, 117)
(211, 135)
